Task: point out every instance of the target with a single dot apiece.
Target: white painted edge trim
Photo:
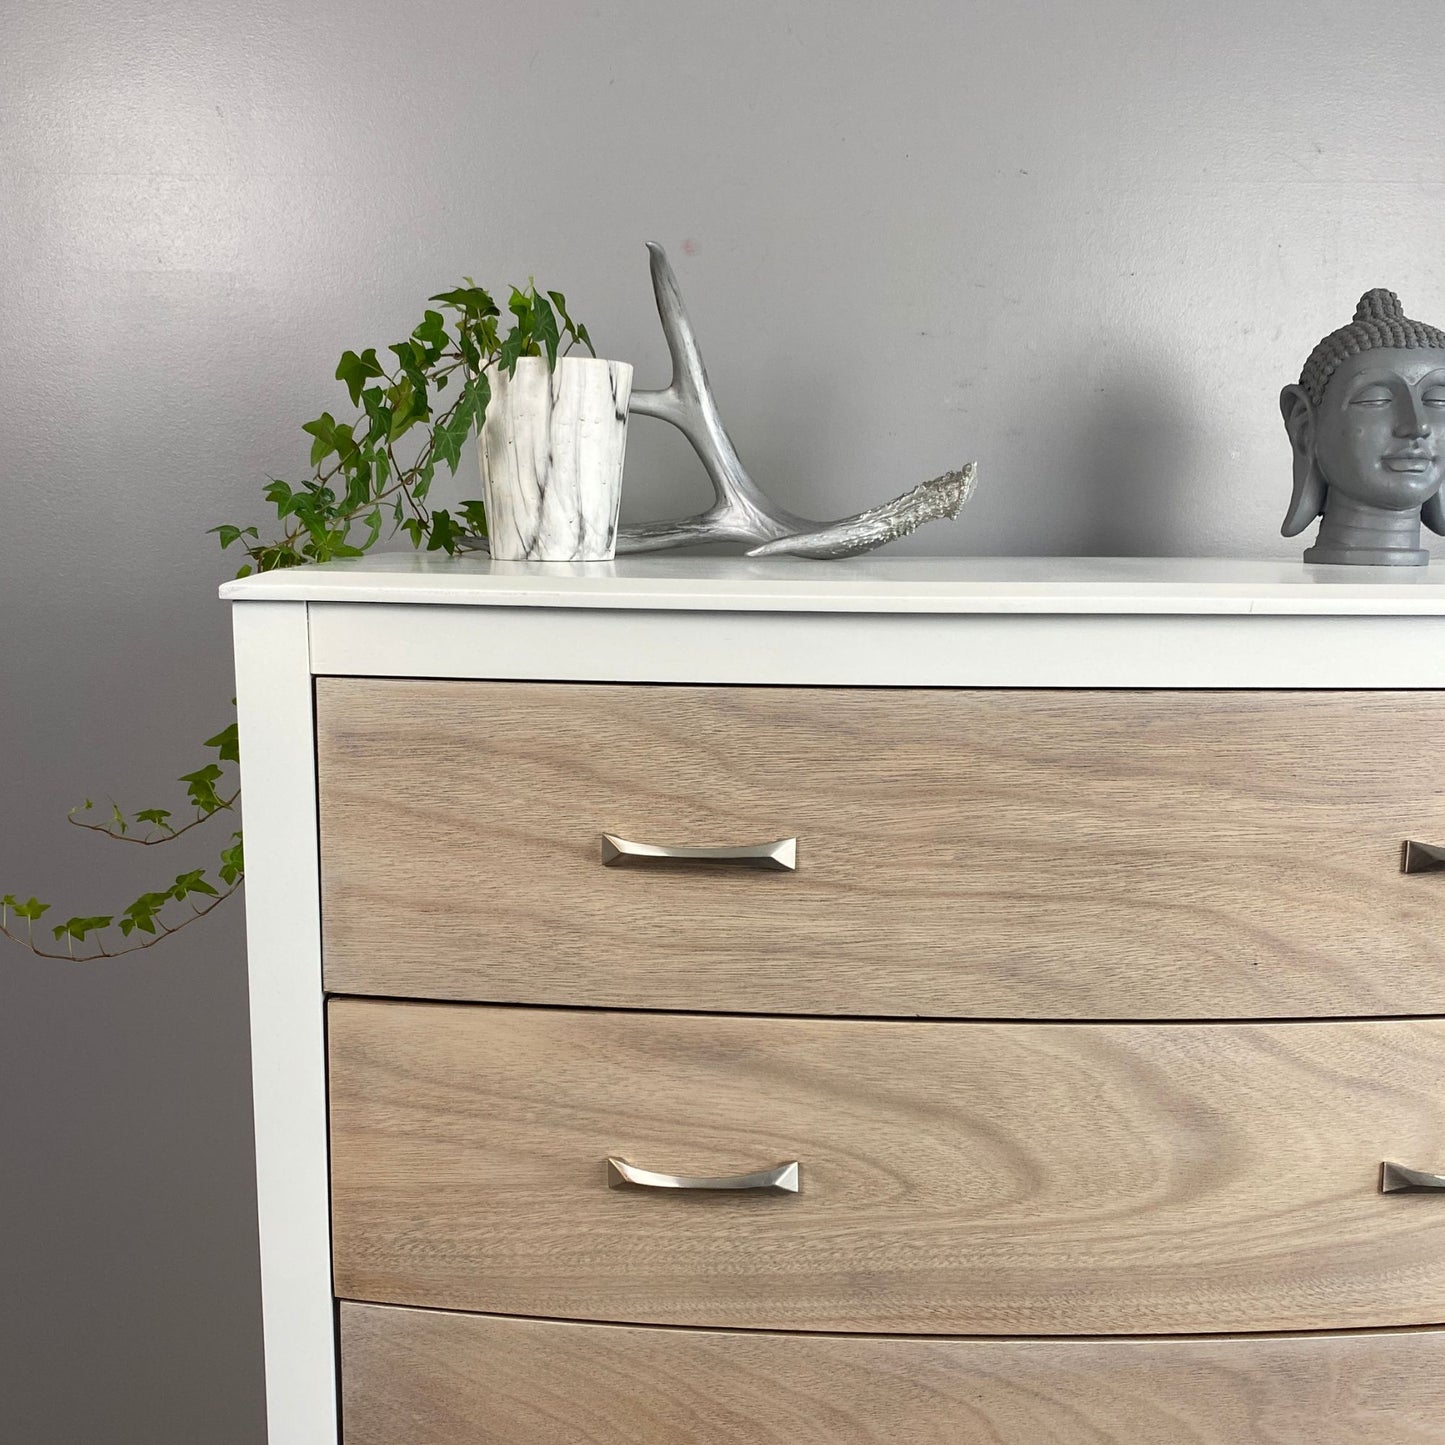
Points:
(877, 650)
(288, 1059)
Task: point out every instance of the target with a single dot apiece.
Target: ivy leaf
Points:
(544, 328)
(78, 928)
(233, 534)
(521, 307)
(510, 350)
(472, 301)
(201, 788)
(192, 882)
(142, 913)
(281, 495)
(356, 371)
(407, 407)
(432, 333)
(31, 910)
(475, 513)
(160, 817)
(443, 536)
(449, 438)
(324, 430)
(228, 745)
(233, 862)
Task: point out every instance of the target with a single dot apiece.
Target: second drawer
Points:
(955, 1178)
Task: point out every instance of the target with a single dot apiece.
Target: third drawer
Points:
(954, 1178)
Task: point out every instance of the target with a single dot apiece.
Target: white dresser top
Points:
(872, 584)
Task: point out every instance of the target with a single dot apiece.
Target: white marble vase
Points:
(552, 446)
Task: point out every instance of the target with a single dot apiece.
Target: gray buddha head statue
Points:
(1367, 423)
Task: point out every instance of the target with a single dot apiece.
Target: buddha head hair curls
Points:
(1380, 321)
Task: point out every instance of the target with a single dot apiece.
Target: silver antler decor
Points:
(741, 512)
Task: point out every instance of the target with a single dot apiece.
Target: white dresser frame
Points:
(986, 622)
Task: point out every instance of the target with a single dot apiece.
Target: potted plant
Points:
(464, 368)
(552, 441)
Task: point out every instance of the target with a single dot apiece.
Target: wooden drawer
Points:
(969, 854)
(412, 1377)
(956, 1178)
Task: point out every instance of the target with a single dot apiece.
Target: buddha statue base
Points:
(1335, 556)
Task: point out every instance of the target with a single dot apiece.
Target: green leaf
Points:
(450, 437)
(31, 910)
(201, 788)
(230, 534)
(414, 528)
(281, 495)
(228, 744)
(118, 818)
(160, 817)
(142, 913)
(324, 430)
(443, 537)
(472, 301)
(192, 882)
(475, 513)
(407, 408)
(511, 349)
(78, 928)
(233, 862)
(544, 328)
(356, 371)
(432, 333)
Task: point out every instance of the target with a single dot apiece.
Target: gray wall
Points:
(1083, 243)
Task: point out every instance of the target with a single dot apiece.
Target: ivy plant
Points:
(412, 412)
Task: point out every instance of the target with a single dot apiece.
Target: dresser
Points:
(929, 1000)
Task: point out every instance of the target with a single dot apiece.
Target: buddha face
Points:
(1379, 430)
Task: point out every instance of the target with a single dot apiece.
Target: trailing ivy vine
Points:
(374, 469)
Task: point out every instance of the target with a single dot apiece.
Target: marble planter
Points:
(551, 448)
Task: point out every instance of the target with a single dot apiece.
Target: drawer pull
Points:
(623, 853)
(1418, 857)
(1396, 1179)
(781, 1180)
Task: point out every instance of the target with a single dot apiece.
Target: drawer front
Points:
(432, 1378)
(955, 1178)
(967, 854)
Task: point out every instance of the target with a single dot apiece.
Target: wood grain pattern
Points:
(412, 1377)
(967, 854)
(956, 1178)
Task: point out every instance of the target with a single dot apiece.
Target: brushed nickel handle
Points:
(623, 853)
(780, 1180)
(1396, 1179)
(1416, 857)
